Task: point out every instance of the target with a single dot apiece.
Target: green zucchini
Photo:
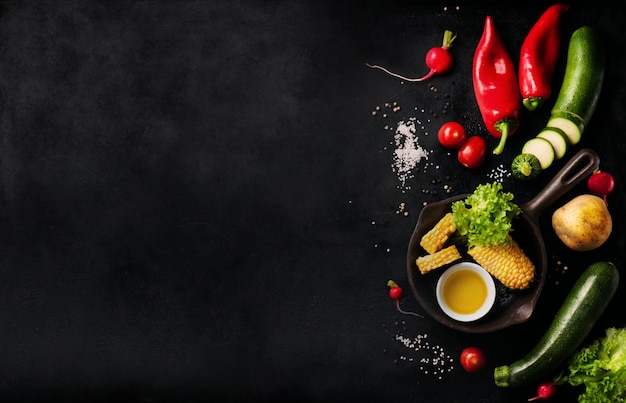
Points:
(574, 320)
(582, 83)
(525, 166)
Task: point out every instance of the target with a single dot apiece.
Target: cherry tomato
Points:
(451, 135)
(395, 292)
(473, 359)
(473, 152)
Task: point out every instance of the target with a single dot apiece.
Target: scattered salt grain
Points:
(433, 358)
(499, 173)
(408, 153)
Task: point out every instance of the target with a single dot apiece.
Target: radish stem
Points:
(406, 312)
(438, 59)
(428, 75)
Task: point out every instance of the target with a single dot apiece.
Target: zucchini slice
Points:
(557, 138)
(572, 130)
(540, 148)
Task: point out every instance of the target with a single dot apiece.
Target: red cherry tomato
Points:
(451, 135)
(473, 152)
(473, 359)
(395, 292)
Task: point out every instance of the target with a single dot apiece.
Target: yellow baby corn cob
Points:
(434, 239)
(435, 260)
(506, 262)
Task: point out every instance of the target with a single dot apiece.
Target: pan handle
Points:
(577, 169)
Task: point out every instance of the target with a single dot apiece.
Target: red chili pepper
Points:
(538, 57)
(495, 86)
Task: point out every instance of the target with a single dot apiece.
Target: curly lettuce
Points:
(485, 217)
(601, 368)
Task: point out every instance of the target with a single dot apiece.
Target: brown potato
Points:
(584, 223)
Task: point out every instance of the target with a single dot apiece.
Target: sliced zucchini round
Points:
(572, 130)
(557, 138)
(542, 149)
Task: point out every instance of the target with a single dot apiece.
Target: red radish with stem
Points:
(601, 184)
(395, 293)
(545, 391)
(438, 59)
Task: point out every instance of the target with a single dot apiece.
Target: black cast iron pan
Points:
(511, 307)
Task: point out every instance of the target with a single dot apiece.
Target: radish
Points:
(395, 293)
(438, 59)
(545, 391)
(601, 184)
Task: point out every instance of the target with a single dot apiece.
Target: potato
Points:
(584, 223)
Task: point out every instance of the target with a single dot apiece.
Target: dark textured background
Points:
(197, 204)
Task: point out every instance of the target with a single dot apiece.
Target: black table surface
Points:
(198, 204)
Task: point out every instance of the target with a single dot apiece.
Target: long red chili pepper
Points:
(538, 57)
(495, 86)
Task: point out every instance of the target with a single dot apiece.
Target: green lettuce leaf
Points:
(485, 216)
(601, 368)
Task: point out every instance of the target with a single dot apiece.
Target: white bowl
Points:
(466, 307)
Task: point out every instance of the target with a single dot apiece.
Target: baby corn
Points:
(434, 239)
(506, 262)
(435, 260)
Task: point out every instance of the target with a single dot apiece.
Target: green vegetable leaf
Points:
(485, 216)
(601, 368)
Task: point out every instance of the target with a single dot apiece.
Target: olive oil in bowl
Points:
(466, 292)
